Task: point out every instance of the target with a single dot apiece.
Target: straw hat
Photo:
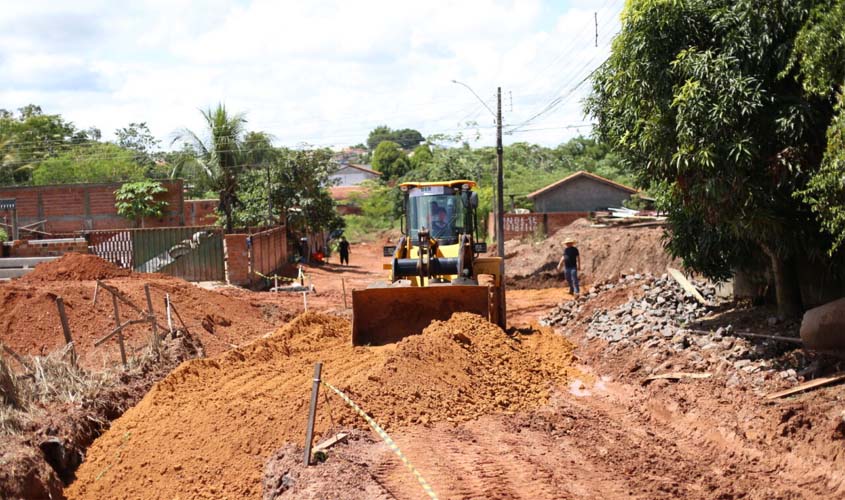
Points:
(569, 239)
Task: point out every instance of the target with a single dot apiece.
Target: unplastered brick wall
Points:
(67, 208)
(200, 212)
(46, 248)
(237, 259)
(536, 223)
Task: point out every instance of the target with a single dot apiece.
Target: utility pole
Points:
(500, 202)
(500, 196)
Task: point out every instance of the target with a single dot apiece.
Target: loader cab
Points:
(443, 209)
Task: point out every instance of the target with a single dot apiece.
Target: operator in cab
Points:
(440, 226)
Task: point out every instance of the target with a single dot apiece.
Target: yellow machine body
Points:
(434, 271)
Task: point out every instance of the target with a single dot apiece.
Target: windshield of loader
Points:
(437, 208)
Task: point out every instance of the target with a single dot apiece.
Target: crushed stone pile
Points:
(661, 318)
(75, 267)
(206, 430)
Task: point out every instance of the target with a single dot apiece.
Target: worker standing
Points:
(343, 249)
(571, 263)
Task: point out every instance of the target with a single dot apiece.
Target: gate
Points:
(190, 253)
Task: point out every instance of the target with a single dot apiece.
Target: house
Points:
(350, 174)
(580, 192)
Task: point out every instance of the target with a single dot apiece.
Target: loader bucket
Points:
(385, 315)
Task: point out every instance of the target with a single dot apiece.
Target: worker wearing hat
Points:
(571, 263)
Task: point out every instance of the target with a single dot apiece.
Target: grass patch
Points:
(363, 228)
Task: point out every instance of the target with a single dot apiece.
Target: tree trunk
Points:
(787, 286)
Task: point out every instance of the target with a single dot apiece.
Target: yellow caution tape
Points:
(387, 439)
(301, 276)
(280, 278)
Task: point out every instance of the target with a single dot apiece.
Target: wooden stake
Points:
(305, 301)
(312, 411)
(17, 356)
(343, 284)
(151, 315)
(169, 318)
(176, 312)
(96, 291)
(60, 303)
(120, 332)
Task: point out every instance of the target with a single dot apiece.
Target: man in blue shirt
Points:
(571, 263)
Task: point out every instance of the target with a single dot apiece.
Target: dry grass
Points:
(55, 379)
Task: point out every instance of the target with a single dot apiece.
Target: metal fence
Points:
(268, 251)
(191, 253)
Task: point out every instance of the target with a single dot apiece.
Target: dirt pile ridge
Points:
(75, 267)
(206, 430)
(606, 253)
(29, 319)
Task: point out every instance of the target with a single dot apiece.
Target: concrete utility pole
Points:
(500, 192)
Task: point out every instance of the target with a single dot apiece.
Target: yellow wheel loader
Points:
(435, 268)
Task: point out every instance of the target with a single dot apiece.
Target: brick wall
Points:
(265, 253)
(74, 207)
(46, 248)
(200, 212)
(524, 225)
(237, 259)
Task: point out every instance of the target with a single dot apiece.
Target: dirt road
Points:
(608, 436)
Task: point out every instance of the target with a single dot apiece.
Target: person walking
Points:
(571, 263)
(343, 249)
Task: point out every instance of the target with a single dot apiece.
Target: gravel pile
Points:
(662, 321)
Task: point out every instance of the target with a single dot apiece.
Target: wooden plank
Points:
(120, 328)
(676, 376)
(779, 338)
(340, 437)
(123, 298)
(685, 284)
(813, 384)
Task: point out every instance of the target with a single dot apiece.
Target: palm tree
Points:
(219, 156)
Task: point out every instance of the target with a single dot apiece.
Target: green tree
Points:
(31, 137)
(698, 101)
(390, 160)
(137, 200)
(421, 157)
(137, 137)
(406, 138)
(219, 155)
(92, 162)
(819, 56)
(298, 191)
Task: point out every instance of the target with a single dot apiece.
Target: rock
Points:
(742, 363)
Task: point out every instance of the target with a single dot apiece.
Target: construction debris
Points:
(660, 316)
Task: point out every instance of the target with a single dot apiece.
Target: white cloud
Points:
(323, 71)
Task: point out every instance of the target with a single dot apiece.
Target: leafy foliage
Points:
(390, 160)
(137, 137)
(136, 200)
(406, 138)
(297, 187)
(219, 156)
(699, 102)
(92, 162)
(32, 137)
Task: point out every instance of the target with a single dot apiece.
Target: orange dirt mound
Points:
(75, 267)
(206, 430)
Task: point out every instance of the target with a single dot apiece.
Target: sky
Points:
(318, 72)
